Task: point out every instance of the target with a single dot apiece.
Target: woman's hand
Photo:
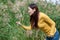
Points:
(18, 23)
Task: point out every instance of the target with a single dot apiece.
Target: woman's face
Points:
(31, 11)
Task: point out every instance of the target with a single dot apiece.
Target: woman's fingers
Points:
(17, 22)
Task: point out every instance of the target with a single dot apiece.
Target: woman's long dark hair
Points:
(34, 16)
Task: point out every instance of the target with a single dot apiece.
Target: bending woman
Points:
(39, 20)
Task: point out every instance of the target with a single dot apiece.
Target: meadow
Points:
(12, 11)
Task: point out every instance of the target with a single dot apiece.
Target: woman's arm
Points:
(25, 27)
(50, 21)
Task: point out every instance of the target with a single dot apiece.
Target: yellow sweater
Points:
(45, 24)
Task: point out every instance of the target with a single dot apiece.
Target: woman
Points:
(39, 20)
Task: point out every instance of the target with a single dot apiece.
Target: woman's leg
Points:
(56, 36)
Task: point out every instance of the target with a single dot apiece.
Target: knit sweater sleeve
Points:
(49, 21)
(27, 27)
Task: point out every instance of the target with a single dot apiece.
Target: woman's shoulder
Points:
(41, 14)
